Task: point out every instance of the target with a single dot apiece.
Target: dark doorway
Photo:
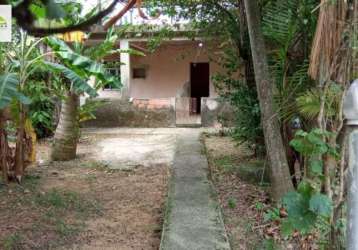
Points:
(200, 80)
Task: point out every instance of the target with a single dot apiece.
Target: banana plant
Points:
(76, 71)
(9, 83)
(22, 59)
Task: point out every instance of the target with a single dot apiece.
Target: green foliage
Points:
(272, 215)
(13, 242)
(232, 203)
(309, 102)
(308, 210)
(247, 111)
(269, 244)
(9, 90)
(311, 143)
(78, 68)
(225, 164)
(56, 201)
(248, 117)
(305, 208)
(78, 82)
(87, 111)
(288, 27)
(103, 49)
(41, 109)
(59, 13)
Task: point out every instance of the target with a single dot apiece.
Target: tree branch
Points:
(26, 19)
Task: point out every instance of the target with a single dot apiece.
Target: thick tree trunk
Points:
(280, 175)
(67, 131)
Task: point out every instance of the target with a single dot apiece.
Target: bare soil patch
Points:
(243, 204)
(82, 204)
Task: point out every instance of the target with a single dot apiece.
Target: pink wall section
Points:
(168, 68)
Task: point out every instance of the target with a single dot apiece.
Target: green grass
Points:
(13, 242)
(61, 212)
(102, 166)
(232, 203)
(225, 164)
(57, 199)
(64, 229)
(62, 201)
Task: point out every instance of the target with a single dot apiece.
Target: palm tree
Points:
(76, 70)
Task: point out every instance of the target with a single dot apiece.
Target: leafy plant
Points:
(41, 109)
(9, 83)
(231, 203)
(309, 103)
(87, 111)
(305, 208)
(313, 145)
(77, 68)
(247, 112)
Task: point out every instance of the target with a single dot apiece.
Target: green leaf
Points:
(287, 228)
(305, 223)
(321, 205)
(80, 64)
(54, 10)
(79, 84)
(316, 166)
(8, 90)
(38, 11)
(301, 133)
(314, 138)
(305, 189)
(295, 204)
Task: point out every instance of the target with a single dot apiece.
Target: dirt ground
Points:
(242, 203)
(82, 204)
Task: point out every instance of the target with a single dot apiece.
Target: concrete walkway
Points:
(193, 219)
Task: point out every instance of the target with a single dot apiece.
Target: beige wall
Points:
(168, 69)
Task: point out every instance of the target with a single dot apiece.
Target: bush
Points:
(41, 109)
(247, 112)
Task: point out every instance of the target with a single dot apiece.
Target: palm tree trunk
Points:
(280, 175)
(67, 131)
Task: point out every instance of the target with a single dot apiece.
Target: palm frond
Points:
(279, 22)
(309, 104)
(81, 65)
(79, 84)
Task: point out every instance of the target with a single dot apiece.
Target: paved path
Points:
(193, 220)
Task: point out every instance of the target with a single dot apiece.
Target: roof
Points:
(146, 31)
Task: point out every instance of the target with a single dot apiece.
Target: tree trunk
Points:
(280, 176)
(20, 149)
(67, 131)
(3, 149)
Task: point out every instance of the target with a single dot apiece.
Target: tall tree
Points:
(280, 175)
(76, 70)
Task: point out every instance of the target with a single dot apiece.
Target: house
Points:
(170, 86)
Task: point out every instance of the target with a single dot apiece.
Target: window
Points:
(113, 68)
(139, 73)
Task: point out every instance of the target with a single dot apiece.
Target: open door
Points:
(200, 82)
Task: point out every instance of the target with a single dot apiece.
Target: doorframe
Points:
(190, 80)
